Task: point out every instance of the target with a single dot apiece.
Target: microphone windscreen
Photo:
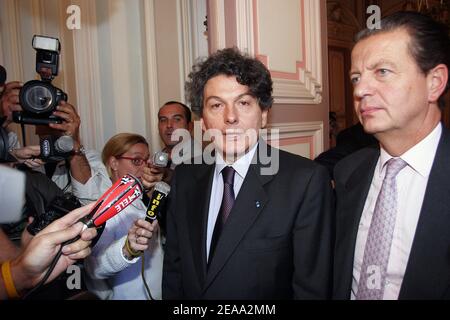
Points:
(64, 144)
(2, 75)
(162, 187)
(123, 192)
(160, 159)
(159, 195)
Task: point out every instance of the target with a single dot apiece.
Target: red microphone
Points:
(123, 192)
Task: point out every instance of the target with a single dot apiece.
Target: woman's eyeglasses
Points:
(138, 162)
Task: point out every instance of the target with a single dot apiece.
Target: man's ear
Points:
(264, 118)
(437, 82)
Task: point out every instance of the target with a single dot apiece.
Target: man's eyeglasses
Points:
(138, 162)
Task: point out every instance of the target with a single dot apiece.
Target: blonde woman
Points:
(115, 258)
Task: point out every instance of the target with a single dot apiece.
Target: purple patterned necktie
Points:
(379, 240)
(225, 207)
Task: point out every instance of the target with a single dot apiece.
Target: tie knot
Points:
(228, 175)
(394, 166)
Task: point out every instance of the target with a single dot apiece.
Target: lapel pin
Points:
(257, 203)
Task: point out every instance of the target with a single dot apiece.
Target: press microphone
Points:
(157, 201)
(56, 148)
(123, 193)
(161, 159)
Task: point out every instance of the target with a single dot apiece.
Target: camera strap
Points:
(50, 168)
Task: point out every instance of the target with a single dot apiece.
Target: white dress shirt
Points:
(411, 185)
(241, 167)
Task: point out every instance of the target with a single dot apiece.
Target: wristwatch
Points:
(80, 151)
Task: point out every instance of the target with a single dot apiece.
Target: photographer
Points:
(25, 271)
(9, 100)
(78, 168)
(41, 104)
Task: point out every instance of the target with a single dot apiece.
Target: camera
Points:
(58, 208)
(39, 98)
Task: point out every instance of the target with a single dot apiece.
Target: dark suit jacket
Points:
(427, 274)
(276, 244)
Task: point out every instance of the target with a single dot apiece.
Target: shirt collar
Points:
(240, 166)
(414, 157)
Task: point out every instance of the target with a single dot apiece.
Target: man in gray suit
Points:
(393, 202)
(236, 230)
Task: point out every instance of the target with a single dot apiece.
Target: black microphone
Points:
(2, 75)
(157, 201)
(55, 149)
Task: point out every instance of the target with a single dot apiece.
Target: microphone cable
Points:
(49, 271)
(150, 297)
(128, 188)
(144, 280)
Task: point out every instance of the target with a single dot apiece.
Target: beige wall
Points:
(290, 38)
(282, 113)
(167, 50)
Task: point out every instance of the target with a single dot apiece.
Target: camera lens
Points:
(38, 97)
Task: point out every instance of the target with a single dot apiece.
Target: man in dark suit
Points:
(348, 141)
(393, 202)
(256, 222)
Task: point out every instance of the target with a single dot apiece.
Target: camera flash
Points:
(46, 43)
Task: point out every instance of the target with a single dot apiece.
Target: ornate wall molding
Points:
(302, 138)
(185, 41)
(151, 90)
(304, 84)
(244, 25)
(216, 25)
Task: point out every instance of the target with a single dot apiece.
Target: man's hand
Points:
(9, 101)
(27, 156)
(71, 123)
(151, 175)
(30, 267)
(79, 165)
(26, 237)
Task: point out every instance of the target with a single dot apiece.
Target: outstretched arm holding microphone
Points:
(64, 241)
(28, 269)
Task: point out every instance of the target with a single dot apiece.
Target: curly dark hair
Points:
(230, 62)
